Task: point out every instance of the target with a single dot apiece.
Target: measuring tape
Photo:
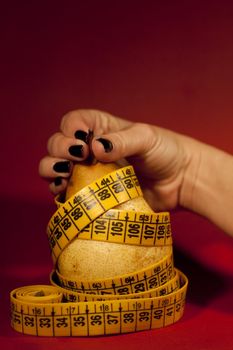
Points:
(151, 298)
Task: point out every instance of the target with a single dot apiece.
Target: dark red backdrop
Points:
(168, 63)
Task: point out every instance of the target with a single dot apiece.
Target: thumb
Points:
(135, 140)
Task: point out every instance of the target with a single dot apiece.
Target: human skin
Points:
(173, 169)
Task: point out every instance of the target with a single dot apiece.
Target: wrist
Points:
(207, 185)
(193, 151)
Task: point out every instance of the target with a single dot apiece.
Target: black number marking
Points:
(77, 213)
(79, 321)
(45, 322)
(66, 224)
(112, 319)
(124, 290)
(62, 322)
(139, 287)
(158, 314)
(144, 316)
(96, 320)
(152, 282)
(117, 227)
(128, 183)
(57, 233)
(89, 203)
(104, 194)
(149, 231)
(117, 187)
(128, 317)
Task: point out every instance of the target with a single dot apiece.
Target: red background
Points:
(168, 63)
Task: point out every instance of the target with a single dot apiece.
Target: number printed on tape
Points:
(151, 298)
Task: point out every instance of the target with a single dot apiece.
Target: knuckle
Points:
(91, 117)
(42, 167)
(120, 143)
(147, 132)
(67, 119)
(52, 142)
(144, 128)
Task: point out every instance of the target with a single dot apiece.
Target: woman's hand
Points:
(159, 156)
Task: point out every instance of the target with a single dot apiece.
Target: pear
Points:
(88, 260)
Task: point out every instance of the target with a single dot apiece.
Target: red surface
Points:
(168, 63)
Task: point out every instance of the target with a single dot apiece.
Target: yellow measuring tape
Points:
(151, 298)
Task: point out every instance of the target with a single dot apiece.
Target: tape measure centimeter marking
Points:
(150, 298)
(99, 317)
(125, 227)
(88, 204)
(130, 227)
(72, 295)
(139, 281)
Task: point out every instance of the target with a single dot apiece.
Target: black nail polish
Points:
(76, 151)
(62, 167)
(82, 135)
(106, 143)
(58, 181)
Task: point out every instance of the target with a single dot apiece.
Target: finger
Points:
(61, 146)
(58, 185)
(78, 123)
(51, 167)
(137, 140)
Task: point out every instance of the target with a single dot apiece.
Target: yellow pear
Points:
(86, 259)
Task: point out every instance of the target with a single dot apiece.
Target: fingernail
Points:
(76, 151)
(82, 135)
(62, 167)
(106, 143)
(58, 181)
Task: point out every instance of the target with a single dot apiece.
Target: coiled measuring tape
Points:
(151, 298)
